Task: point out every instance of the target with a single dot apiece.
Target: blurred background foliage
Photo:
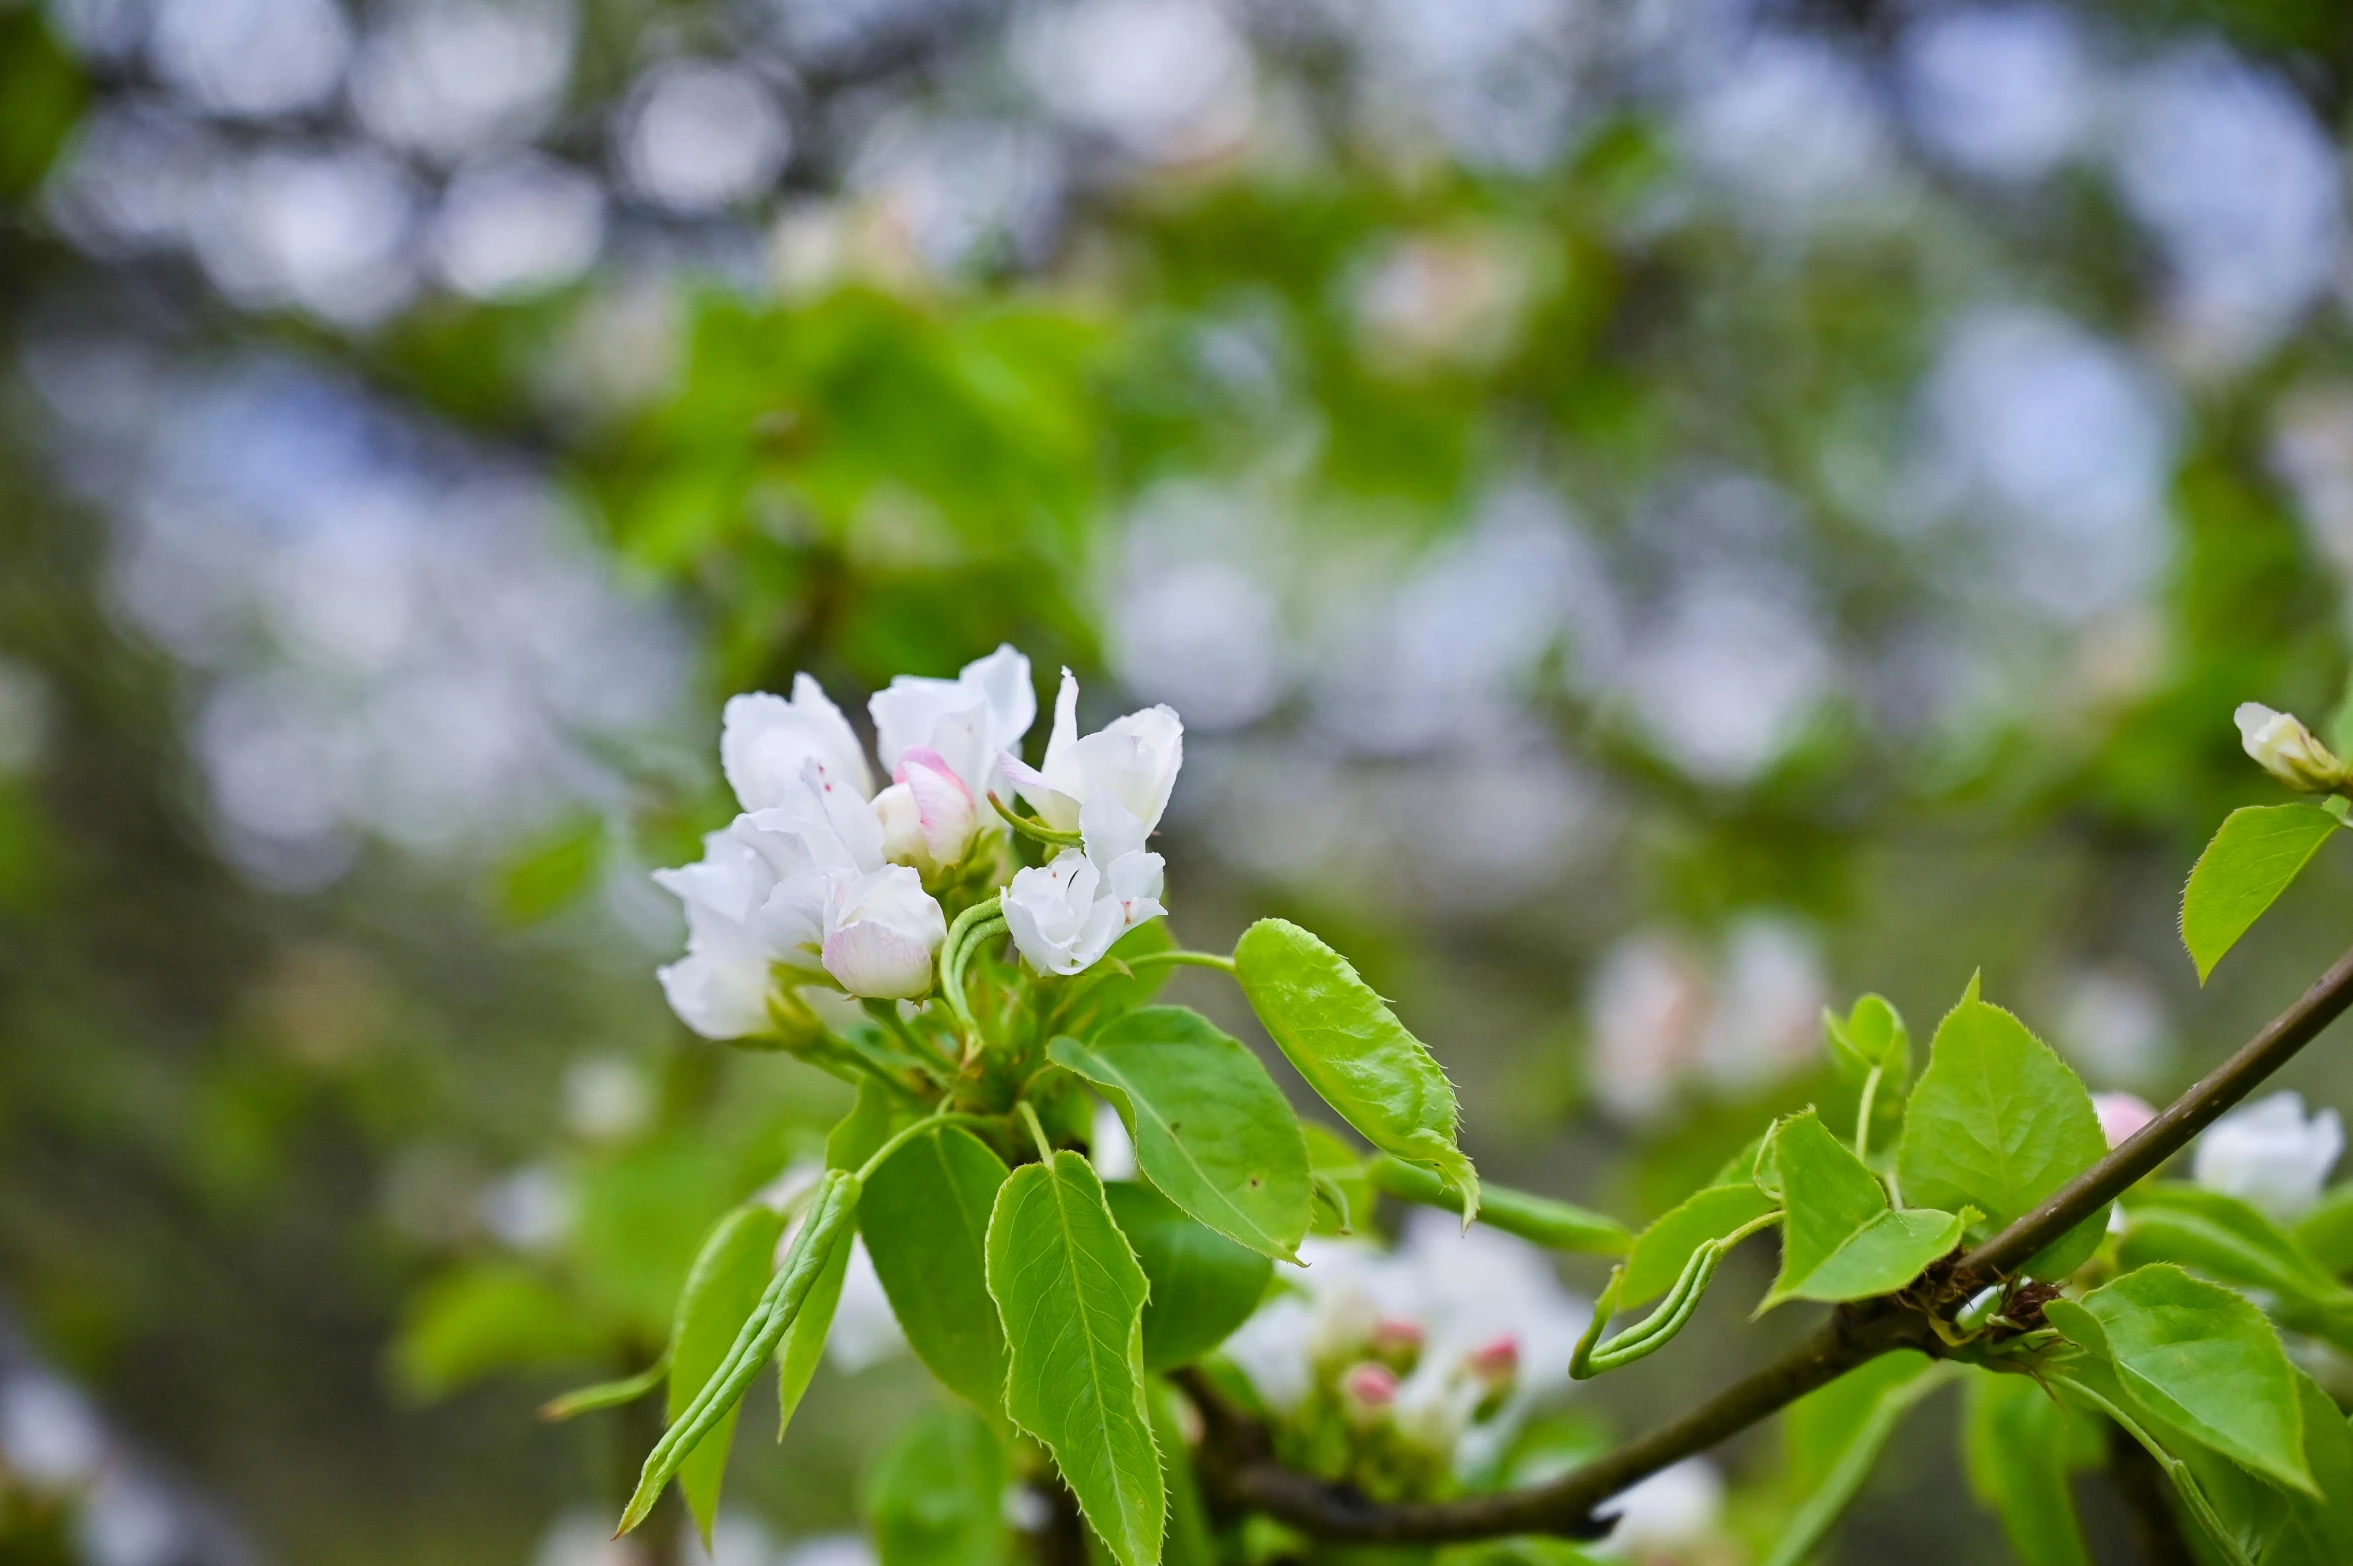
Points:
(1657, 516)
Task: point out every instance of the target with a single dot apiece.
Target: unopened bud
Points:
(1495, 1367)
(1367, 1390)
(2288, 750)
(1397, 1343)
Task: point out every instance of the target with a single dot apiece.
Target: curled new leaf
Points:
(1349, 1045)
(831, 1214)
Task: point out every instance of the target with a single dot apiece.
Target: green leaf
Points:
(2203, 1359)
(1998, 1122)
(1071, 1295)
(1189, 1541)
(925, 1218)
(935, 1493)
(606, 1394)
(1840, 1240)
(2019, 1446)
(1561, 1226)
(832, 1214)
(803, 1344)
(2320, 1532)
(1352, 1050)
(878, 1113)
(1661, 1250)
(2227, 1240)
(487, 1317)
(1839, 1438)
(553, 869)
(2326, 1232)
(2230, 1509)
(1111, 992)
(1203, 1284)
(730, 1274)
(1211, 1129)
(1344, 1192)
(2259, 852)
(1871, 1037)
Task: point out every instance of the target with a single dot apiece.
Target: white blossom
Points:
(929, 818)
(1671, 1512)
(2287, 750)
(720, 988)
(881, 929)
(765, 743)
(1133, 759)
(966, 721)
(2268, 1154)
(1064, 915)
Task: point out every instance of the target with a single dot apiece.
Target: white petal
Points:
(765, 741)
(874, 960)
(718, 997)
(1065, 731)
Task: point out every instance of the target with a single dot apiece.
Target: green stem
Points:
(905, 1134)
(1559, 1225)
(1037, 1130)
(1863, 1117)
(1178, 960)
(972, 926)
(1037, 830)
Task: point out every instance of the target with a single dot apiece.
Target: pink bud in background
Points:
(2121, 1114)
(1397, 1343)
(1368, 1386)
(1495, 1362)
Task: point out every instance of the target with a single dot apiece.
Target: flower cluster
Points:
(2270, 1154)
(826, 879)
(1404, 1371)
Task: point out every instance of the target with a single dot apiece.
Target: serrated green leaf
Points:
(2223, 1238)
(2019, 1446)
(925, 1217)
(1847, 1428)
(1212, 1131)
(935, 1494)
(2204, 1360)
(2257, 855)
(1998, 1122)
(1660, 1251)
(1203, 1284)
(1840, 1240)
(1189, 1541)
(1349, 1045)
(730, 1274)
(2230, 1510)
(1344, 1192)
(1071, 1296)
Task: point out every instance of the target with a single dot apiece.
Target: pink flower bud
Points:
(2121, 1114)
(1369, 1385)
(1397, 1342)
(1496, 1362)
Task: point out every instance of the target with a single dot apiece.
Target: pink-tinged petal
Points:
(2121, 1115)
(873, 960)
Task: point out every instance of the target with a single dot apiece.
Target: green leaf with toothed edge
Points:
(1661, 1250)
(2204, 1359)
(729, 1274)
(1211, 1129)
(925, 1217)
(2221, 1237)
(2257, 855)
(935, 1494)
(1348, 1044)
(2019, 1445)
(1071, 1296)
(1841, 1240)
(1203, 1284)
(1998, 1122)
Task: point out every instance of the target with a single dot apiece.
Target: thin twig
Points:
(1855, 1334)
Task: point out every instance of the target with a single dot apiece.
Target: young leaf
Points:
(2203, 1359)
(1190, 1542)
(803, 1344)
(2257, 855)
(1352, 1050)
(2231, 1511)
(2231, 1242)
(831, 1216)
(1344, 1192)
(1560, 1226)
(2320, 1532)
(1998, 1122)
(1871, 1037)
(1840, 1241)
(1849, 1423)
(2019, 1445)
(925, 1217)
(1203, 1284)
(1071, 1296)
(1212, 1130)
(729, 1275)
(1661, 1250)
(606, 1394)
(935, 1493)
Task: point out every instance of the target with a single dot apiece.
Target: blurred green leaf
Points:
(552, 870)
(486, 1317)
(1836, 1442)
(730, 1274)
(1203, 1284)
(2019, 1447)
(935, 1494)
